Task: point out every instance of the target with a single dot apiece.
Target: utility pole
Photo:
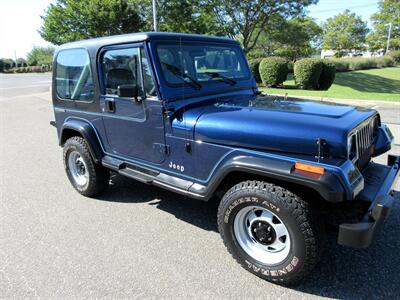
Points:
(388, 40)
(154, 15)
(15, 56)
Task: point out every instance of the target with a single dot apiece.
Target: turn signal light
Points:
(309, 168)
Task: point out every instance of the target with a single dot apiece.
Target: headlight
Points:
(352, 147)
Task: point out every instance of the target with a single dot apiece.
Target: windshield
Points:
(198, 64)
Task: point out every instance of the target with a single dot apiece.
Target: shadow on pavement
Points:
(342, 273)
(199, 213)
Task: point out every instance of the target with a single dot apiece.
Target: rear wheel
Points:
(270, 231)
(87, 177)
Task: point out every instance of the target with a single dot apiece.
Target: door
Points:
(134, 125)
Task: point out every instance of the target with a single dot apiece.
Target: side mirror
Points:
(128, 91)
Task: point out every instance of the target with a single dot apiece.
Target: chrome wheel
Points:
(78, 168)
(262, 234)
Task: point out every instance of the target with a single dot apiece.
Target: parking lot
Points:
(140, 241)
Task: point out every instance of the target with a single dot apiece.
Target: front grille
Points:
(364, 138)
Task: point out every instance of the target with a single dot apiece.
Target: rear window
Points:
(73, 75)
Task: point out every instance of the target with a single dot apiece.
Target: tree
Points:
(8, 63)
(244, 19)
(389, 12)
(39, 56)
(71, 20)
(295, 38)
(21, 62)
(301, 37)
(186, 16)
(345, 32)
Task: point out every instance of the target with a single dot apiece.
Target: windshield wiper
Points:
(222, 78)
(186, 78)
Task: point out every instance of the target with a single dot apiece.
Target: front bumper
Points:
(379, 181)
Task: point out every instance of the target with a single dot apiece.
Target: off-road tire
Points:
(301, 222)
(98, 176)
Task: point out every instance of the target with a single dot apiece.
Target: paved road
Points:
(135, 240)
(21, 86)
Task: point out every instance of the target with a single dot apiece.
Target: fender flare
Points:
(329, 186)
(86, 130)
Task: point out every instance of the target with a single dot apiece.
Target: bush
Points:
(19, 70)
(341, 64)
(273, 71)
(327, 77)
(307, 72)
(36, 69)
(254, 65)
(45, 68)
(395, 55)
(384, 61)
(361, 63)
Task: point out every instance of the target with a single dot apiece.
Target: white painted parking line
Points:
(375, 107)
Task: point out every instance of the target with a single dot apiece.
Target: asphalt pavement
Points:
(139, 241)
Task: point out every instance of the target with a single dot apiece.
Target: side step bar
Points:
(112, 163)
(152, 177)
(136, 175)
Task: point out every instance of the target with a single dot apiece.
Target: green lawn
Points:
(374, 84)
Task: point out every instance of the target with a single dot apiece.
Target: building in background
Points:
(354, 53)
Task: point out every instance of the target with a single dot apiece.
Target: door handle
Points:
(109, 105)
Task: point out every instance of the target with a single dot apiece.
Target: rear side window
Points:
(73, 75)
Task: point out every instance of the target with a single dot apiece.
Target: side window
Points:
(149, 85)
(73, 75)
(121, 67)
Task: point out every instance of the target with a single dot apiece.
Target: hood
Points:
(276, 124)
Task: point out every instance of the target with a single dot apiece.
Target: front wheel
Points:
(270, 231)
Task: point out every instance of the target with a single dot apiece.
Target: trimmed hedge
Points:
(254, 65)
(315, 74)
(273, 71)
(327, 77)
(307, 73)
(32, 69)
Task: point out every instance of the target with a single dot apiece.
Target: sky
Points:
(329, 8)
(20, 21)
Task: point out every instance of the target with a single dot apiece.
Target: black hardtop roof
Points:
(142, 36)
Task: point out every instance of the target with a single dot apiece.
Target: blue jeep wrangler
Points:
(183, 112)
